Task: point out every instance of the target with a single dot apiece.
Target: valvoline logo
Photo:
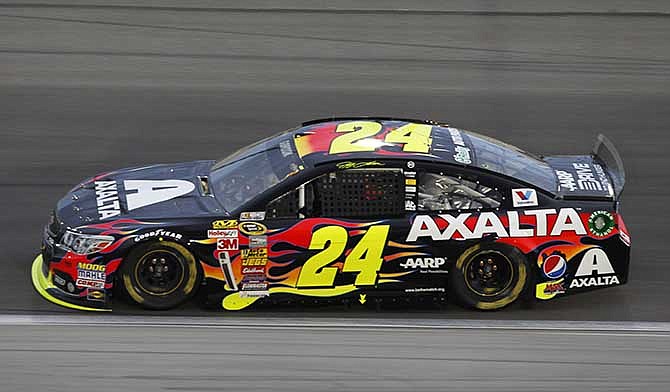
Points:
(524, 197)
(554, 266)
(525, 194)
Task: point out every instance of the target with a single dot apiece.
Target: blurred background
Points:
(92, 85)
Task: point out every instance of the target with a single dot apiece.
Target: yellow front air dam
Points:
(43, 283)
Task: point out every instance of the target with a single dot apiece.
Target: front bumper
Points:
(42, 278)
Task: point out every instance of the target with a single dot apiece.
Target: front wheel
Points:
(159, 275)
(489, 276)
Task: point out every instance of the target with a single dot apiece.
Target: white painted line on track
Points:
(545, 326)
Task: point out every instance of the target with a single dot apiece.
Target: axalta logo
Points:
(595, 269)
(107, 199)
(139, 193)
(423, 262)
(458, 227)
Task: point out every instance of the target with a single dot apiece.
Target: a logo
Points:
(224, 224)
(554, 266)
(107, 199)
(95, 295)
(357, 165)
(594, 262)
(254, 257)
(158, 233)
(227, 244)
(447, 227)
(258, 241)
(148, 192)
(253, 270)
(601, 223)
(252, 228)
(252, 216)
(461, 151)
(410, 205)
(524, 197)
(94, 284)
(423, 262)
(548, 290)
(566, 180)
(222, 233)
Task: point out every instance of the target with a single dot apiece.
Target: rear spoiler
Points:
(605, 152)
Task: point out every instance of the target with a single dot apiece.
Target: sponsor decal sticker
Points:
(148, 192)
(91, 275)
(548, 290)
(554, 265)
(566, 180)
(410, 205)
(410, 164)
(567, 220)
(227, 269)
(107, 199)
(601, 223)
(462, 152)
(95, 295)
(252, 228)
(423, 262)
(93, 284)
(594, 269)
(227, 244)
(254, 257)
(222, 233)
(225, 224)
(524, 197)
(357, 165)
(158, 233)
(258, 241)
(252, 216)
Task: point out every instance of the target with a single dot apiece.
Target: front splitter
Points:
(43, 285)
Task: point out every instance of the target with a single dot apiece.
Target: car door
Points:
(336, 234)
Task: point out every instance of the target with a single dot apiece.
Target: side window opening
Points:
(361, 193)
(439, 192)
(353, 193)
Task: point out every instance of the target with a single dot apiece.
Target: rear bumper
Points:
(42, 278)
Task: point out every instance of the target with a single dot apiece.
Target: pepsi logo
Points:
(554, 267)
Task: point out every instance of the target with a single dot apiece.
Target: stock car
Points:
(343, 210)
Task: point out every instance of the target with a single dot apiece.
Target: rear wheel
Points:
(159, 275)
(489, 276)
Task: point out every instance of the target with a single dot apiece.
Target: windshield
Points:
(511, 161)
(252, 171)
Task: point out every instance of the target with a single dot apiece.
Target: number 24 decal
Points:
(365, 258)
(413, 137)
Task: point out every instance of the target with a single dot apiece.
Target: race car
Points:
(343, 210)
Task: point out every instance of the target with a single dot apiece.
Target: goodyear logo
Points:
(91, 267)
(253, 228)
(224, 224)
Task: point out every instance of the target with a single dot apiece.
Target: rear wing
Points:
(605, 152)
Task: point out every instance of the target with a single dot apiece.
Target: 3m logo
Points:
(524, 197)
(227, 244)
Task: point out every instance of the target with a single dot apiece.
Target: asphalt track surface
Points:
(260, 354)
(87, 87)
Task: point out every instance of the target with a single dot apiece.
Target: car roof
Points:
(314, 140)
(368, 138)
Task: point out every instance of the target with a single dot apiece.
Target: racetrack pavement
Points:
(260, 354)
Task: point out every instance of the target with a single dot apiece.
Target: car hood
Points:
(150, 192)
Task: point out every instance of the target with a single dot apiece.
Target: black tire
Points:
(472, 285)
(173, 283)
